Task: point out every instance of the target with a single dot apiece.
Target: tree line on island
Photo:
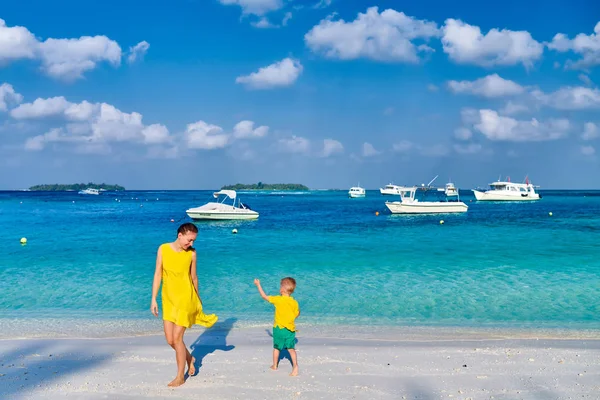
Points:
(265, 186)
(57, 187)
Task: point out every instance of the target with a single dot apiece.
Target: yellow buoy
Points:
(376, 212)
(23, 240)
(550, 213)
(441, 222)
(234, 231)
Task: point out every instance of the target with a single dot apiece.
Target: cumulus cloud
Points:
(255, 7)
(588, 46)
(466, 44)
(205, 136)
(385, 36)
(246, 130)
(490, 86)
(65, 59)
(8, 96)
(496, 127)
(331, 146)
(590, 131)
(587, 150)
(513, 108)
(569, 98)
(138, 51)
(463, 133)
(369, 151)
(280, 74)
(294, 144)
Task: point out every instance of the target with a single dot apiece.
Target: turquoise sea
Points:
(87, 267)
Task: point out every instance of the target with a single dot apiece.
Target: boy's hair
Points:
(187, 227)
(288, 284)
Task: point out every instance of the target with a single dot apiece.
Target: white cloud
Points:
(501, 128)
(65, 59)
(432, 88)
(331, 146)
(368, 150)
(41, 108)
(322, 4)
(463, 133)
(263, 23)
(569, 98)
(280, 74)
(490, 86)
(465, 44)
(403, 146)
(8, 96)
(587, 150)
(585, 79)
(436, 150)
(201, 135)
(590, 131)
(255, 7)
(286, 18)
(588, 46)
(385, 36)
(138, 51)
(513, 108)
(156, 134)
(294, 144)
(246, 130)
(471, 148)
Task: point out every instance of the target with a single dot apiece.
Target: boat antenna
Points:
(431, 181)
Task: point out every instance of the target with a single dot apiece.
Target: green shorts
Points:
(283, 338)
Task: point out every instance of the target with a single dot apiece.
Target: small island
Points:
(265, 186)
(57, 187)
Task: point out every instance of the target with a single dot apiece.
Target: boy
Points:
(284, 329)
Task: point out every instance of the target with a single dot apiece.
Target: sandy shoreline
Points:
(419, 364)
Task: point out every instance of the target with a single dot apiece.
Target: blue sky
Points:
(198, 94)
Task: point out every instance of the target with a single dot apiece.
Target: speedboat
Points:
(508, 191)
(408, 204)
(89, 191)
(450, 190)
(219, 210)
(390, 189)
(356, 191)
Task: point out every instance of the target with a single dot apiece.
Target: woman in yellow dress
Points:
(181, 303)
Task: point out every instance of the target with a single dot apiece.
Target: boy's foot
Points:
(273, 367)
(176, 382)
(294, 371)
(192, 367)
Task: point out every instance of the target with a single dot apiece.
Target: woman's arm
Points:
(156, 283)
(194, 274)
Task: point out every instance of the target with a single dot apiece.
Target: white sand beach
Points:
(334, 364)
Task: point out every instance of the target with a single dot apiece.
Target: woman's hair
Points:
(187, 227)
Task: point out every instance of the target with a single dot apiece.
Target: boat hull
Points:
(486, 196)
(356, 195)
(397, 207)
(220, 216)
(389, 192)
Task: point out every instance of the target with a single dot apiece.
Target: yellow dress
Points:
(180, 302)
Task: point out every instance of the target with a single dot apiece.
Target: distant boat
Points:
(508, 191)
(390, 189)
(408, 204)
(218, 210)
(356, 191)
(89, 191)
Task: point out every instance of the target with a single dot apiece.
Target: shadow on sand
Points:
(211, 340)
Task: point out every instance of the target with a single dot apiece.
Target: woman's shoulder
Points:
(163, 246)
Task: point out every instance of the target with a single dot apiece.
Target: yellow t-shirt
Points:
(286, 311)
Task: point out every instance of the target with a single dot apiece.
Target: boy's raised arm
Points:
(260, 290)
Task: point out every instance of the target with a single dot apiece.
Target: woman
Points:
(181, 304)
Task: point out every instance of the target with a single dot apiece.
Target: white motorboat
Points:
(89, 191)
(218, 210)
(508, 191)
(450, 190)
(410, 205)
(357, 191)
(390, 189)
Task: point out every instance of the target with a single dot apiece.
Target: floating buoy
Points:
(550, 213)
(376, 212)
(234, 231)
(73, 201)
(23, 240)
(441, 222)
(172, 220)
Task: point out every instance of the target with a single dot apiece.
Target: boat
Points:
(450, 190)
(89, 191)
(357, 191)
(508, 191)
(219, 210)
(408, 204)
(390, 190)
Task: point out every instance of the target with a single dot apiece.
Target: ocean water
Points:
(87, 267)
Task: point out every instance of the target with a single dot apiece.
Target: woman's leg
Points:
(174, 335)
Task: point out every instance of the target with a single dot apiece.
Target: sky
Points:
(197, 94)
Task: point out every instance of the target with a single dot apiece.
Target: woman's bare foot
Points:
(274, 367)
(176, 382)
(294, 371)
(192, 367)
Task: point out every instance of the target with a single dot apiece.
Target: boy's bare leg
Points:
(275, 359)
(294, 362)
